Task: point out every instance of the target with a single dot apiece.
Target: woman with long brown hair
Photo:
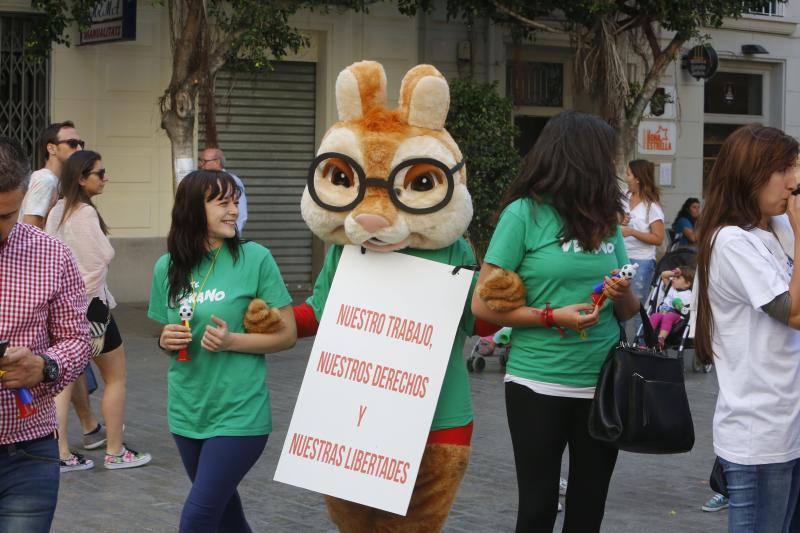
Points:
(643, 225)
(218, 404)
(76, 221)
(559, 231)
(747, 324)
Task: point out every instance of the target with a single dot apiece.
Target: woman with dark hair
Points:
(218, 403)
(685, 222)
(748, 318)
(559, 231)
(75, 220)
(643, 225)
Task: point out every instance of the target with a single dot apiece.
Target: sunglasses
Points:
(100, 173)
(73, 143)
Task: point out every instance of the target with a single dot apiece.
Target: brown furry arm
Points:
(260, 318)
(502, 291)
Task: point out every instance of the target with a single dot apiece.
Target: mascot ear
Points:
(424, 97)
(360, 88)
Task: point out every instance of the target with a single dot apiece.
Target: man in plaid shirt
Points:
(43, 318)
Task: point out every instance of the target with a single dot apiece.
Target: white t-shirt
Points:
(685, 296)
(642, 216)
(42, 194)
(757, 418)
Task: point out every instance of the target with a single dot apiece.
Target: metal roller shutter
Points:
(265, 125)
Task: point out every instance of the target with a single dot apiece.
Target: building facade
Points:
(269, 124)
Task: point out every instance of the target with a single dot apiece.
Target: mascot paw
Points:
(260, 318)
(502, 291)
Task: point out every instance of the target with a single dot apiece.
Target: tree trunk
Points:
(625, 144)
(178, 121)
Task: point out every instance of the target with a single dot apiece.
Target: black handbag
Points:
(717, 480)
(640, 403)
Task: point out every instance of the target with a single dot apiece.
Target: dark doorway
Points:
(713, 137)
(24, 86)
(530, 128)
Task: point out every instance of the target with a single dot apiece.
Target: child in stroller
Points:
(675, 304)
(678, 337)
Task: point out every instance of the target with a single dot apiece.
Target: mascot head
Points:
(387, 179)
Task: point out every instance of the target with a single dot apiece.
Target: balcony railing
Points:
(769, 9)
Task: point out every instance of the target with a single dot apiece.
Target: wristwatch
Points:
(50, 370)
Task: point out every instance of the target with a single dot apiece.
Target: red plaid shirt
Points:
(42, 307)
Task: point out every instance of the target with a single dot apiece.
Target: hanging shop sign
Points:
(663, 103)
(112, 20)
(702, 62)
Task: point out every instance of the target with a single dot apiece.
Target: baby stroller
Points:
(678, 338)
(491, 345)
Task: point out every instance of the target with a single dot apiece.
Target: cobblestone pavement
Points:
(649, 493)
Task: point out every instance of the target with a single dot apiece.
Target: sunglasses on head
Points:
(73, 143)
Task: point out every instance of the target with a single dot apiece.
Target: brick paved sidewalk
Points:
(650, 494)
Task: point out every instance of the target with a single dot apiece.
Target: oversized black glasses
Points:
(73, 143)
(336, 182)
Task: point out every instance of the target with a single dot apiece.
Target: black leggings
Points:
(541, 426)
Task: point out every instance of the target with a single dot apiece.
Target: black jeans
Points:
(541, 426)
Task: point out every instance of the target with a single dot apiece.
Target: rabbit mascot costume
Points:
(394, 180)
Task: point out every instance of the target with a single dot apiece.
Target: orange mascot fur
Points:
(395, 180)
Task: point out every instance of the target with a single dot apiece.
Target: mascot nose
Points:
(372, 223)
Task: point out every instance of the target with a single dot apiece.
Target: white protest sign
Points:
(367, 400)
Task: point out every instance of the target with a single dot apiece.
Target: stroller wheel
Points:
(479, 364)
(470, 364)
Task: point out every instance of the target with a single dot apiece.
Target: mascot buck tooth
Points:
(394, 180)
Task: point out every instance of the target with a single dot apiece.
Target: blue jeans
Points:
(28, 487)
(641, 286)
(216, 466)
(763, 498)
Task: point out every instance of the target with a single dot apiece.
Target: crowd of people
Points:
(57, 317)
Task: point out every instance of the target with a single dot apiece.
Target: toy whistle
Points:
(626, 272)
(185, 312)
(22, 397)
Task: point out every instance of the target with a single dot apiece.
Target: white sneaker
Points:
(560, 507)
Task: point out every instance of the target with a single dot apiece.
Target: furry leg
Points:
(440, 474)
(351, 517)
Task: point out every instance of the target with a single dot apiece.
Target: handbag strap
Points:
(650, 338)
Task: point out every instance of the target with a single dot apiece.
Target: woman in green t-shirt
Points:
(218, 402)
(559, 232)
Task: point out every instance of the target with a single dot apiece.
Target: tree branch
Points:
(660, 63)
(217, 57)
(525, 20)
(652, 40)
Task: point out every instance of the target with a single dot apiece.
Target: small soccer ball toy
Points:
(185, 312)
(628, 271)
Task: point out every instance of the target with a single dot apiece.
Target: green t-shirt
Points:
(454, 408)
(220, 393)
(527, 242)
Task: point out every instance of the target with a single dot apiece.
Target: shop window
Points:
(735, 93)
(534, 83)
